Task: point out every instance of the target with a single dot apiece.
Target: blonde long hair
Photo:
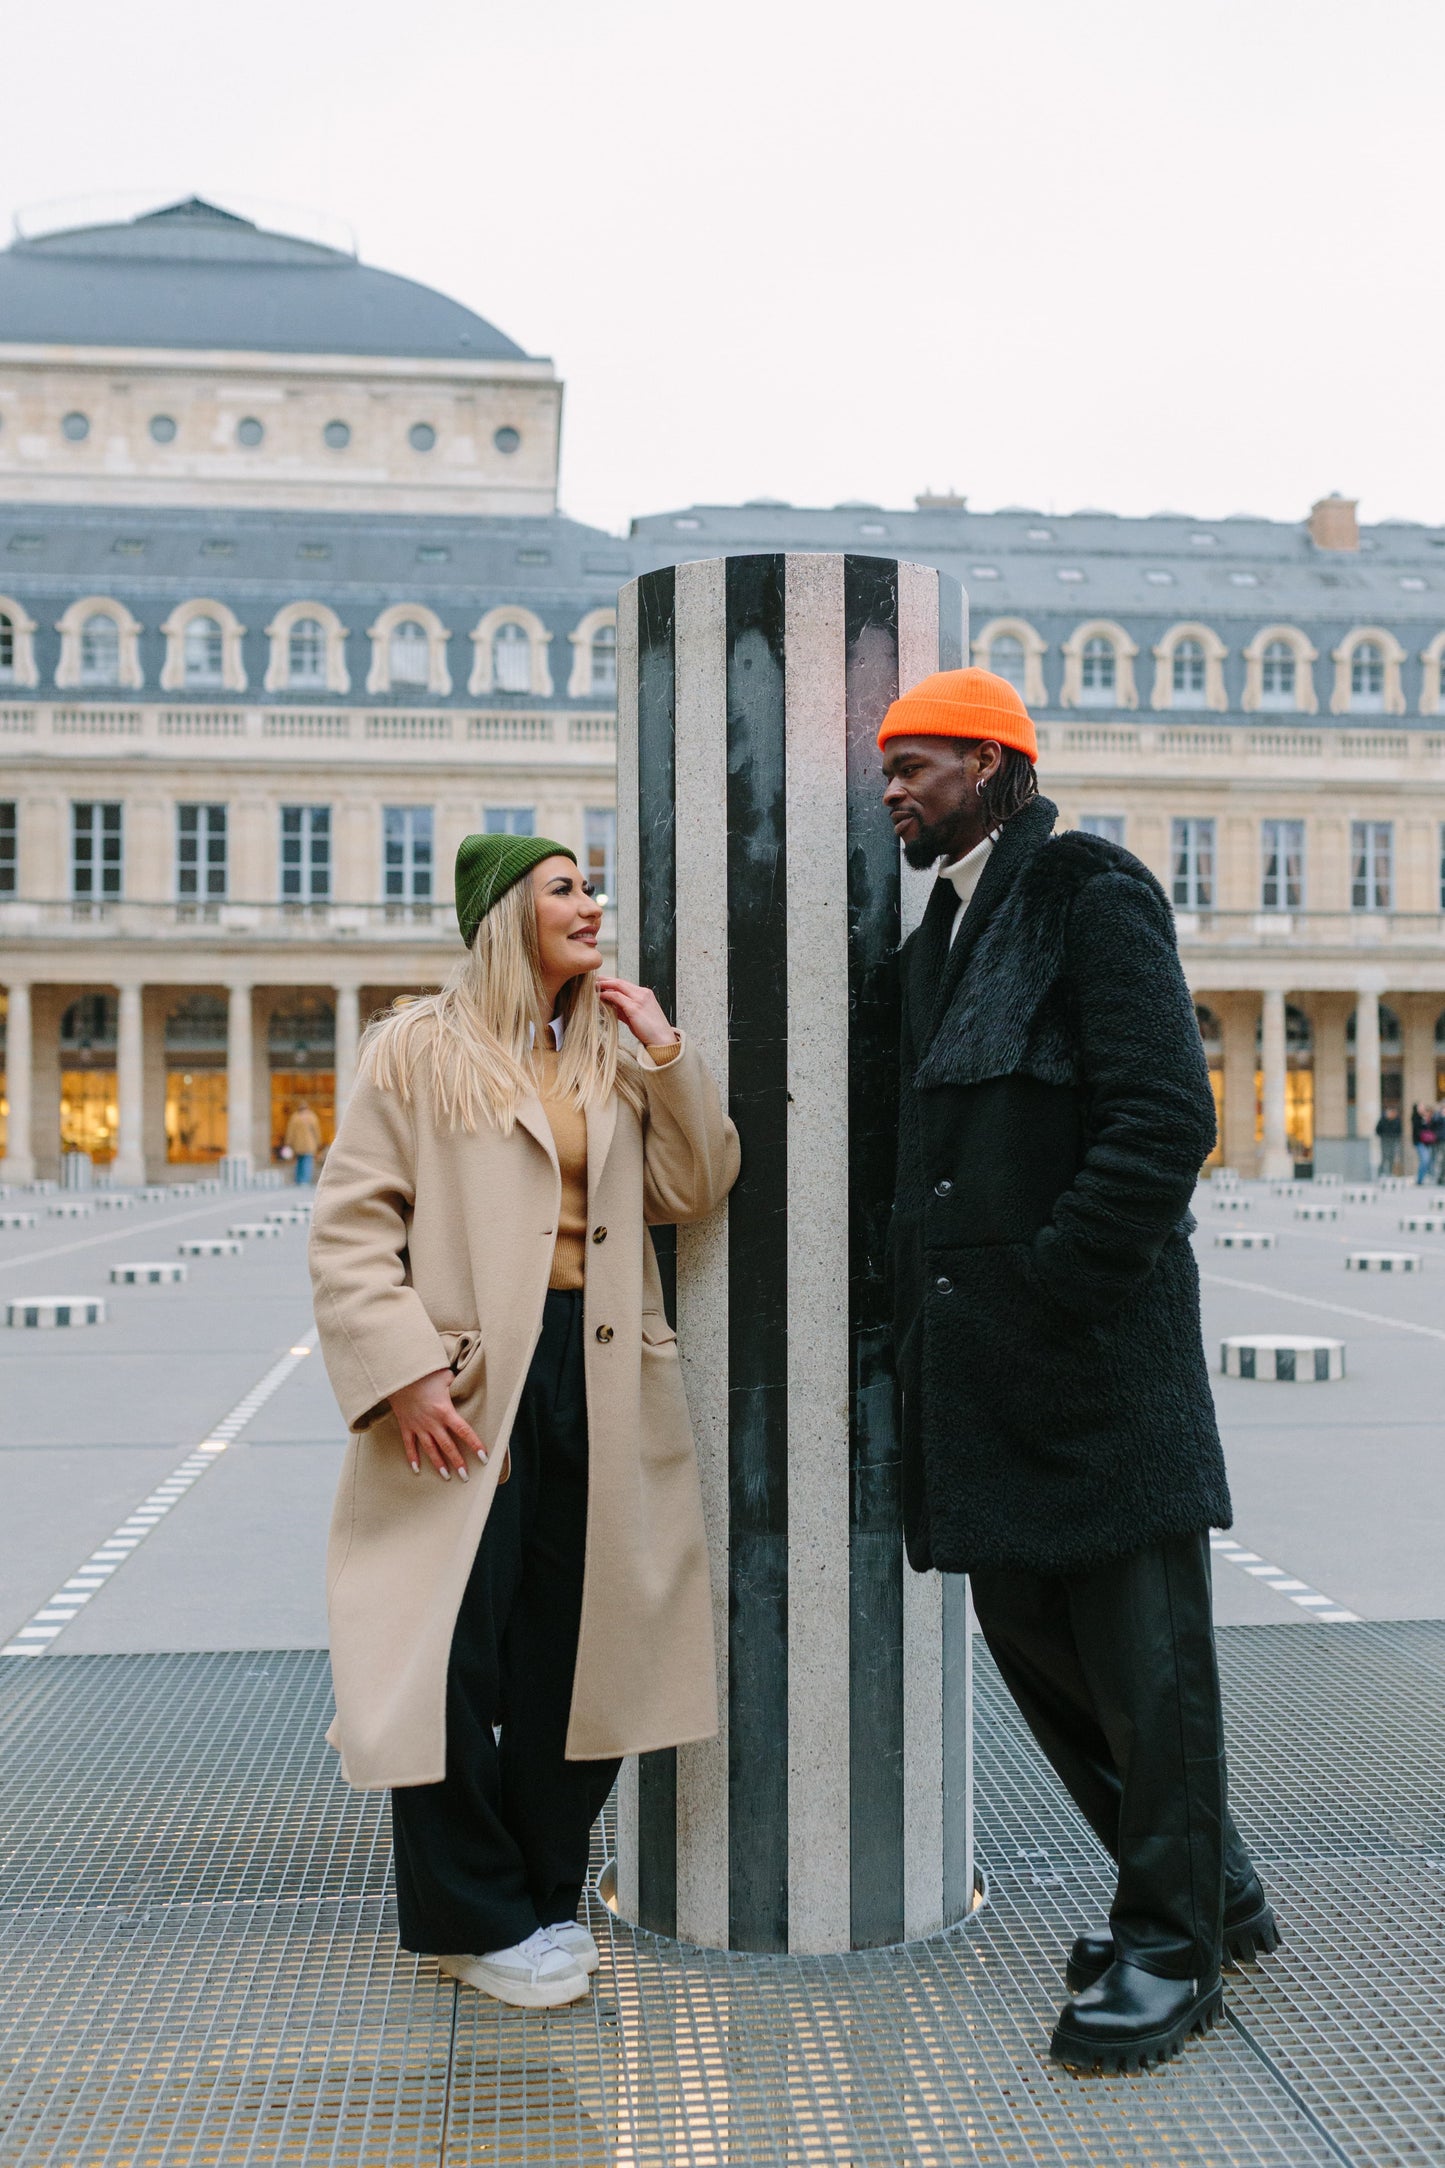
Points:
(477, 1036)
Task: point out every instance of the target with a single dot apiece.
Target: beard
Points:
(929, 845)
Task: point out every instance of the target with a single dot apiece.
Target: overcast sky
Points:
(1128, 253)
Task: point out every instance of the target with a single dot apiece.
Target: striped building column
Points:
(759, 894)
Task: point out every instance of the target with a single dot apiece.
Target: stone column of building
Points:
(1275, 1161)
(759, 893)
(1329, 1015)
(19, 1161)
(1367, 1065)
(128, 1168)
(239, 1096)
(1238, 1015)
(1417, 1021)
(348, 1032)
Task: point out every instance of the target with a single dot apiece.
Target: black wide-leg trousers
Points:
(1115, 1672)
(499, 1847)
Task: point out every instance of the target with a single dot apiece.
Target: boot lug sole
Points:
(1139, 2056)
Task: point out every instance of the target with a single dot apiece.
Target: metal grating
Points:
(198, 1962)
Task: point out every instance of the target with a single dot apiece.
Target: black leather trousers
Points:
(1114, 1670)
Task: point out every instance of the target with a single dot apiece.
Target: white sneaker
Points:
(574, 1938)
(533, 1975)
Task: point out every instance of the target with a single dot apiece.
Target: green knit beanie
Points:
(487, 866)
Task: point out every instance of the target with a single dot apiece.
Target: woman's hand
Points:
(640, 1010)
(431, 1424)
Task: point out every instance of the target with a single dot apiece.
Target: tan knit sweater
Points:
(568, 1125)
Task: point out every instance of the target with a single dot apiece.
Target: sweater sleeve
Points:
(374, 1330)
(690, 1147)
(1148, 1107)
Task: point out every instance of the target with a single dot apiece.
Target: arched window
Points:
(1277, 676)
(1189, 678)
(604, 659)
(99, 650)
(1099, 672)
(1006, 658)
(1367, 679)
(7, 650)
(512, 660)
(306, 652)
(408, 653)
(204, 652)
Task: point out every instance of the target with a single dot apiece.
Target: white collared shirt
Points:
(964, 873)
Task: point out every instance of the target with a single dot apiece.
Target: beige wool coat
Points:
(431, 1248)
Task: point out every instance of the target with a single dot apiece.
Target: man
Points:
(1058, 1433)
(303, 1140)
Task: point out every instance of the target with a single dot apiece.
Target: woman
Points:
(517, 1540)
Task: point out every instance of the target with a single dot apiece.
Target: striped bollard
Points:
(759, 896)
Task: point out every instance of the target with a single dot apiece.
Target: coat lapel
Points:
(1019, 839)
(532, 1118)
(601, 1128)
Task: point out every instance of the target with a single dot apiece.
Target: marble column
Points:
(128, 1170)
(1367, 1069)
(759, 894)
(239, 1096)
(1275, 1163)
(19, 1161)
(348, 1032)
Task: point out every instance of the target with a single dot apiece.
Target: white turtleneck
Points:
(964, 873)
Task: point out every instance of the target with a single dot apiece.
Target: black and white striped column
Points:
(760, 896)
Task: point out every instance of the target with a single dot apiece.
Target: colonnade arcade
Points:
(1303, 1076)
(142, 1077)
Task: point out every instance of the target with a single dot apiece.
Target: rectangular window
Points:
(305, 854)
(407, 853)
(599, 855)
(96, 851)
(1372, 863)
(200, 853)
(1108, 825)
(1192, 856)
(509, 820)
(9, 848)
(1282, 866)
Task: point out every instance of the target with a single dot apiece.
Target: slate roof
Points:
(197, 277)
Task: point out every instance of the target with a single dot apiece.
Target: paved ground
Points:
(196, 1954)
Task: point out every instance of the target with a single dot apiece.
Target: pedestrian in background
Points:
(1425, 1137)
(303, 1139)
(1058, 1438)
(1389, 1131)
(491, 1316)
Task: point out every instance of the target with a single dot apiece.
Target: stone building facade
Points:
(1256, 708)
(287, 608)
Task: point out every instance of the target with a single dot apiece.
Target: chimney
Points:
(1333, 525)
(940, 500)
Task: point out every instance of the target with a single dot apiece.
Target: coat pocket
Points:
(657, 1333)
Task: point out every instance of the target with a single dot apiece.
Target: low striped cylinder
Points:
(1230, 1203)
(1422, 1223)
(46, 1312)
(211, 1246)
(759, 894)
(15, 1220)
(1384, 1261)
(1284, 1358)
(147, 1275)
(71, 1208)
(1316, 1212)
(1244, 1238)
(255, 1231)
(1360, 1193)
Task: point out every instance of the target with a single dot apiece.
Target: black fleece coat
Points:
(1055, 1112)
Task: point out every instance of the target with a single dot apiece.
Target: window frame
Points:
(509, 820)
(9, 847)
(1281, 864)
(201, 825)
(599, 850)
(1372, 848)
(304, 826)
(1193, 861)
(106, 829)
(413, 848)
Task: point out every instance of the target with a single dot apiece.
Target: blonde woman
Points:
(517, 1575)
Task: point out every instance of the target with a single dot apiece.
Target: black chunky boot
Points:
(1250, 1932)
(1131, 2018)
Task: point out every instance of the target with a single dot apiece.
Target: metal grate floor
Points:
(198, 1962)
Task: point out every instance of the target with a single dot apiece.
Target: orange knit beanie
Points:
(962, 704)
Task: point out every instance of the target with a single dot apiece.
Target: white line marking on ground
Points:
(1284, 1584)
(54, 1615)
(1315, 1302)
(115, 1233)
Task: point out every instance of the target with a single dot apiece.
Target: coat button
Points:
(944, 1284)
(604, 1334)
(943, 1188)
(599, 1234)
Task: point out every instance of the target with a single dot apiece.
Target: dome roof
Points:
(192, 275)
